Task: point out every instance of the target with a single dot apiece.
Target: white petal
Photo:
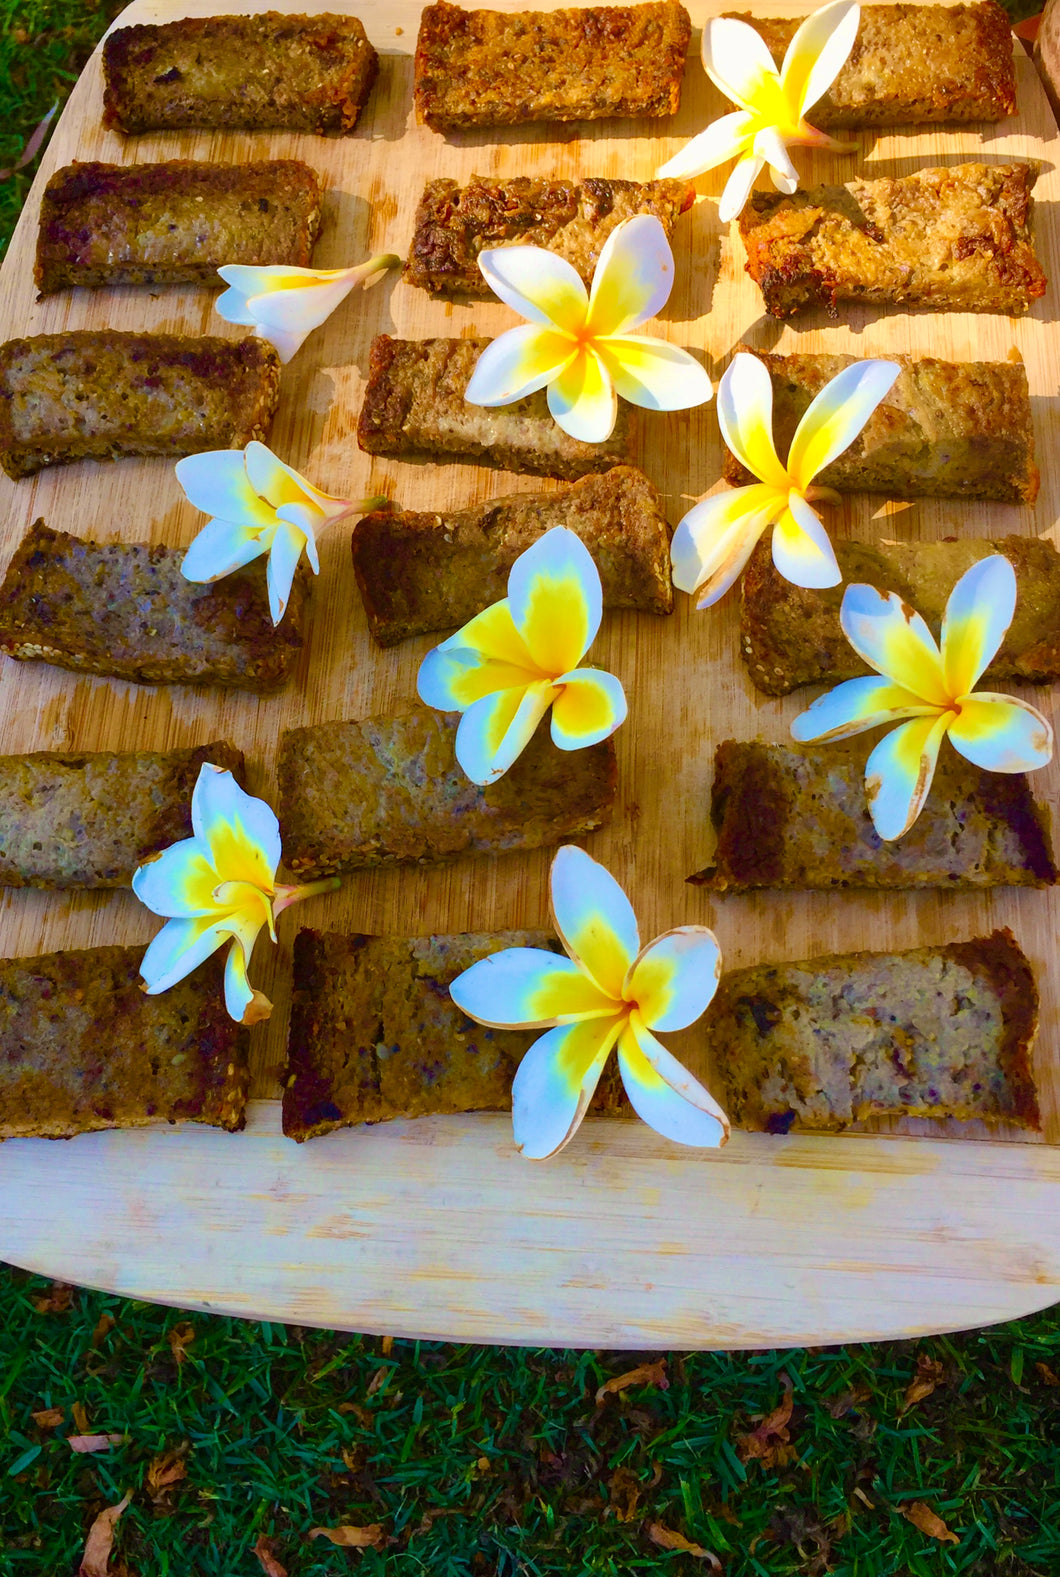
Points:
(737, 61)
(518, 363)
(817, 53)
(723, 140)
(664, 1094)
(978, 613)
(745, 416)
(674, 978)
(555, 1081)
(836, 416)
(802, 552)
(582, 399)
(633, 277)
(654, 374)
(738, 188)
(593, 918)
(540, 285)
(220, 548)
(217, 483)
(224, 816)
(180, 947)
(770, 146)
(286, 550)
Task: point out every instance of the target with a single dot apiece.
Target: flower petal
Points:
(221, 547)
(854, 706)
(591, 704)
(802, 552)
(1002, 734)
(745, 416)
(738, 187)
(555, 1081)
(284, 554)
(305, 518)
(582, 399)
(217, 483)
(495, 731)
(493, 633)
(633, 277)
(899, 771)
(556, 600)
(737, 61)
(654, 374)
(180, 947)
(283, 486)
(240, 832)
(978, 612)
(674, 978)
(593, 918)
(836, 415)
(540, 285)
(893, 639)
(817, 53)
(527, 988)
(770, 146)
(663, 1092)
(242, 1001)
(179, 882)
(716, 538)
(723, 139)
(487, 655)
(517, 363)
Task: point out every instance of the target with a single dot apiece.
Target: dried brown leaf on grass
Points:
(377, 1379)
(263, 1549)
(643, 1374)
(769, 1441)
(165, 1471)
(386, 1346)
(351, 1538)
(80, 1415)
(58, 1299)
(180, 1338)
(930, 1373)
(1047, 1374)
(625, 1489)
(104, 1325)
(100, 1540)
(90, 1443)
(849, 1401)
(669, 1539)
(922, 1517)
(48, 1417)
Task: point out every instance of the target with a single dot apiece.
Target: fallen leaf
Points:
(180, 1337)
(269, 1564)
(1047, 1374)
(386, 1346)
(48, 1417)
(768, 1442)
(104, 1325)
(352, 1538)
(668, 1539)
(929, 1374)
(848, 1401)
(624, 1488)
(164, 1471)
(89, 1443)
(80, 1417)
(362, 1414)
(925, 1519)
(643, 1374)
(33, 146)
(57, 1300)
(101, 1539)
(377, 1379)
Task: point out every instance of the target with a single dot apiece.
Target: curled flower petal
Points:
(495, 731)
(745, 416)
(283, 486)
(178, 883)
(737, 61)
(818, 52)
(582, 400)
(527, 988)
(724, 139)
(664, 1093)
(674, 978)
(978, 614)
(802, 552)
(738, 187)
(654, 374)
(837, 415)
(770, 146)
(285, 304)
(857, 705)
(518, 363)
(240, 832)
(555, 1082)
(593, 918)
(632, 280)
(556, 600)
(284, 554)
(1002, 733)
(715, 539)
(589, 707)
(893, 639)
(899, 771)
(540, 285)
(242, 1002)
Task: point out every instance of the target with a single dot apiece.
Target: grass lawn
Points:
(235, 1440)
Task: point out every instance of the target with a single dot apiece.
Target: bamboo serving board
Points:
(437, 1227)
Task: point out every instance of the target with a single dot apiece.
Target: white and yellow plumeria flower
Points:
(516, 659)
(931, 686)
(259, 505)
(217, 886)
(608, 991)
(577, 342)
(716, 538)
(773, 103)
(283, 304)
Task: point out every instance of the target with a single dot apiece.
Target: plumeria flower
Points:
(259, 505)
(217, 886)
(577, 341)
(772, 103)
(284, 305)
(516, 659)
(716, 538)
(933, 687)
(608, 991)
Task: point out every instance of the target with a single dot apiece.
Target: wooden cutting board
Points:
(437, 1227)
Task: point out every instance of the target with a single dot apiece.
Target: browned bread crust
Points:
(125, 610)
(95, 394)
(790, 636)
(947, 429)
(82, 1047)
(790, 818)
(254, 73)
(388, 790)
(375, 1034)
(912, 64)
(936, 1032)
(496, 68)
(89, 820)
(173, 223)
(414, 403)
(865, 242)
(572, 218)
(418, 573)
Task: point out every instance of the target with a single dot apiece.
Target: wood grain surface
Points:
(437, 1227)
